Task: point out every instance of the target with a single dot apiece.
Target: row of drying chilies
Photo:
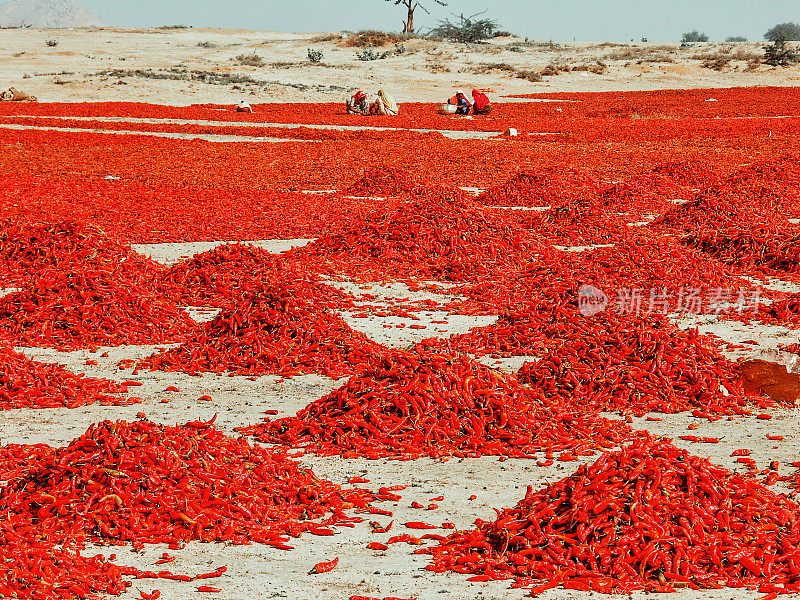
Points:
(385, 104)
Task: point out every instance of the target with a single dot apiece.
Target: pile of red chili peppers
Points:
(277, 328)
(25, 383)
(408, 404)
(143, 483)
(90, 306)
(437, 233)
(382, 181)
(649, 516)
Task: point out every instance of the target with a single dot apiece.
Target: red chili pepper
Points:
(206, 588)
(377, 546)
(377, 529)
(324, 567)
(419, 525)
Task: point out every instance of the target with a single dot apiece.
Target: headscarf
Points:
(359, 96)
(389, 102)
(481, 100)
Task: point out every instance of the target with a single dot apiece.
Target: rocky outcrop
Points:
(46, 13)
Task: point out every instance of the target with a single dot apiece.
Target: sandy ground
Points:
(101, 65)
(263, 572)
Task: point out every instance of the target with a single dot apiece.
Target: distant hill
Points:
(46, 13)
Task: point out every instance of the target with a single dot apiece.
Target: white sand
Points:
(428, 71)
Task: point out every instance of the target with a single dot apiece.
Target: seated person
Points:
(460, 100)
(357, 105)
(480, 103)
(384, 104)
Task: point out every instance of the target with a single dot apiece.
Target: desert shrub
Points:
(553, 69)
(788, 31)
(52, 43)
(372, 37)
(490, 67)
(718, 63)
(175, 27)
(736, 38)
(369, 54)
(779, 54)
(207, 45)
(466, 29)
(436, 65)
(326, 37)
(597, 68)
(529, 75)
(315, 56)
(639, 54)
(694, 36)
(250, 60)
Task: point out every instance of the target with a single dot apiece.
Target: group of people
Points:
(14, 95)
(385, 104)
(480, 104)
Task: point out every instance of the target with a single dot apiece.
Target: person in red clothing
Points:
(480, 103)
(357, 104)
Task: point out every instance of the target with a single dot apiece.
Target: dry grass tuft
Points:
(250, 60)
(372, 37)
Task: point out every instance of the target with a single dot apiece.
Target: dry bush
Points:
(372, 37)
(484, 68)
(436, 65)
(511, 70)
(326, 37)
(752, 65)
(745, 55)
(250, 60)
(486, 48)
(529, 75)
(718, 63)
(642, 55)
(553, 69)
(287, 65)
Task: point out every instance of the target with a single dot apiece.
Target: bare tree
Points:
(411, 6)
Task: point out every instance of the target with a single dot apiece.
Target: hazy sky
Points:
(559, 20)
